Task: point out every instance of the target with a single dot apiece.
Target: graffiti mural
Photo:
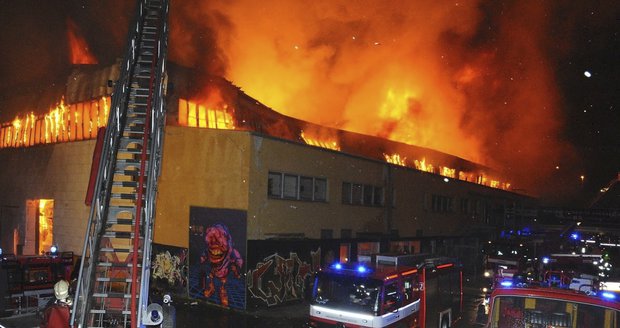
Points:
(277, 279)
(217, 253)
(169, 270)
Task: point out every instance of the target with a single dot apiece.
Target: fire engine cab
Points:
(556, 301)
(391, 291)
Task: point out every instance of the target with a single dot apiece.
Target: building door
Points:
(39, 234)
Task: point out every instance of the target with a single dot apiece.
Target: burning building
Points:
(224, 149)
(228, 159)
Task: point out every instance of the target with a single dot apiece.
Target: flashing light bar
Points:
(545, 260)
(359, 268)
(608, 295)
(506, 283)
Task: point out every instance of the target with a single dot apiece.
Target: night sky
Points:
(581, 46)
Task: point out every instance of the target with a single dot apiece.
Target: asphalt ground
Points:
(193, 314)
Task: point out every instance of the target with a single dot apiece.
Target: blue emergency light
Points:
(574, 236)
(361, 269)
(545, 260)
(506, 283)
(337, 266)
(608, 295)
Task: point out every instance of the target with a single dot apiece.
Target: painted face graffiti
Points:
(222, 258)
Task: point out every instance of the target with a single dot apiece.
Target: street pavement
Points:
(194, 314)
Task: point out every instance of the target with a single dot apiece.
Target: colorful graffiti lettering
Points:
(277, 280)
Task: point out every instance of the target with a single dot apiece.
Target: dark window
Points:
(290, 186)
(274, 183)
(320, 190)
(356, 194)
(346, 193)
(346, 233)
(305, 188)
(377, 196)
(367, 200)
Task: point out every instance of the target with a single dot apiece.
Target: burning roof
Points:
(203, 101)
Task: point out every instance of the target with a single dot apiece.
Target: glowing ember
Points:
(395, 159)
(318, 142)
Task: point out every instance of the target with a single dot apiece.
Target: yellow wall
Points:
(200, 167)
(272, 216)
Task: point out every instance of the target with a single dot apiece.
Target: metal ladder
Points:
(113, 283)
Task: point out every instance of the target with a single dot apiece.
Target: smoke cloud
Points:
(470, 79)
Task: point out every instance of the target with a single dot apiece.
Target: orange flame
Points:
(320, 141)
(201, 115)
(396, 159)
(63, 122)
(79, 51)
(370, 68)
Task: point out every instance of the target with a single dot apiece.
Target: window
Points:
(274, 183)
(346, 193)
(442, 204)
(377, 199)
(358, 194)
(305, 188)
(320, 190)
(291, 186)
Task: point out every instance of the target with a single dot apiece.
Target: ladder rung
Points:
(119, 234)
(117, 250)
(98, 311)
(112, 295)
(120, 221)
(117, 265)
(106, 279)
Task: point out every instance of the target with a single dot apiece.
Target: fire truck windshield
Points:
(348, 293)
(520, 311)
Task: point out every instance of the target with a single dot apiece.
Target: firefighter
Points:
(57, 313)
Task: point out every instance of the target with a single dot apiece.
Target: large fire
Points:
(62, 123)
(441, 75)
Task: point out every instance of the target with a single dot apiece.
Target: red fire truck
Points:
(519, 303)
(392, 291)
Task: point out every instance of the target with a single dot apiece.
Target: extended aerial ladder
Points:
(113, 283)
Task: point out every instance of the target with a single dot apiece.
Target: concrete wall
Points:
(229, 169)
(410, 212)
(200, 167)
(59, 172)
(269, 216)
